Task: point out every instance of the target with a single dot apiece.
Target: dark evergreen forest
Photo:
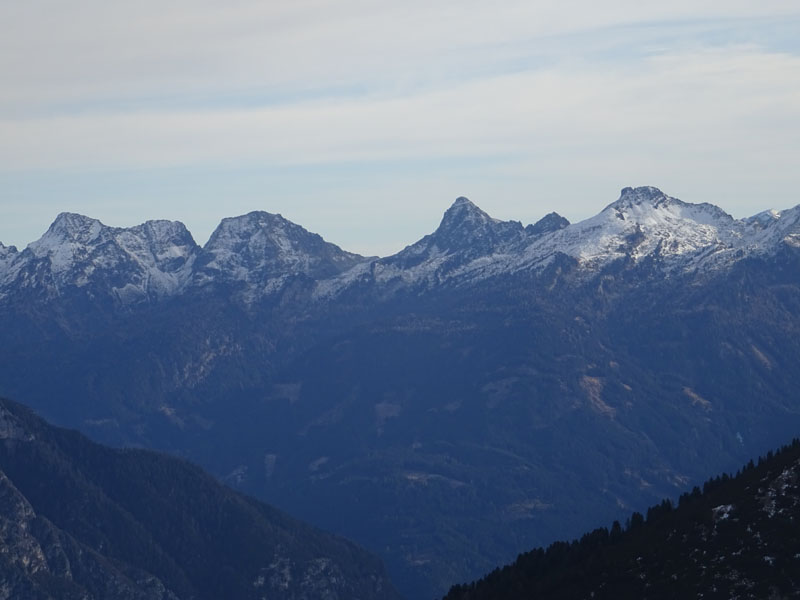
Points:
(736, 537)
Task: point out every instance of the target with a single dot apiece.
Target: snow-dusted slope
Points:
(149, 261)
(780, 227)
(547, 224)
(263, 250)
(465, 235)
(466, 232)
(260, 252)
(467, 242)
(643, 223)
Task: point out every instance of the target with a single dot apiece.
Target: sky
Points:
(363, 120)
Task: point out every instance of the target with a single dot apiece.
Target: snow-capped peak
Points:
(634, 196)
(164, 245)
(547, 224)
(464, 214)
(260, 246)
(642, 201)
(465, 209)
(646, 222)
(764, 218)
(466, 239)
(74, 239)
(233, 232)
(67, 239)
(68, 227)
(774, 227)
(75, 226)
(150, 260)
(465, 227)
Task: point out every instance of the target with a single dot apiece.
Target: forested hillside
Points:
(737, 537)
(82, 521)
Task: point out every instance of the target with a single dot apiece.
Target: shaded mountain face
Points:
(738, 538)
(78, 520)
(490, 388)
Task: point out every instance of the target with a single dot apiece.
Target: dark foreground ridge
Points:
(737, 538)
(79, 520)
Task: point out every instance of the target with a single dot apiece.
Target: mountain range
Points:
(260, 253)
(490, 388)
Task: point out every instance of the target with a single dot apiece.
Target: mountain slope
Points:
(646, 223)
(738, 538)
(466, 243)
(491, 388)
(261, 251)
(258, 253)
(79, 520)
(520, 410)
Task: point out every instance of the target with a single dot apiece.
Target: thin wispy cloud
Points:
(675, 99)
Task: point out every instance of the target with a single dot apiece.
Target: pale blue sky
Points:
(362, 121)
